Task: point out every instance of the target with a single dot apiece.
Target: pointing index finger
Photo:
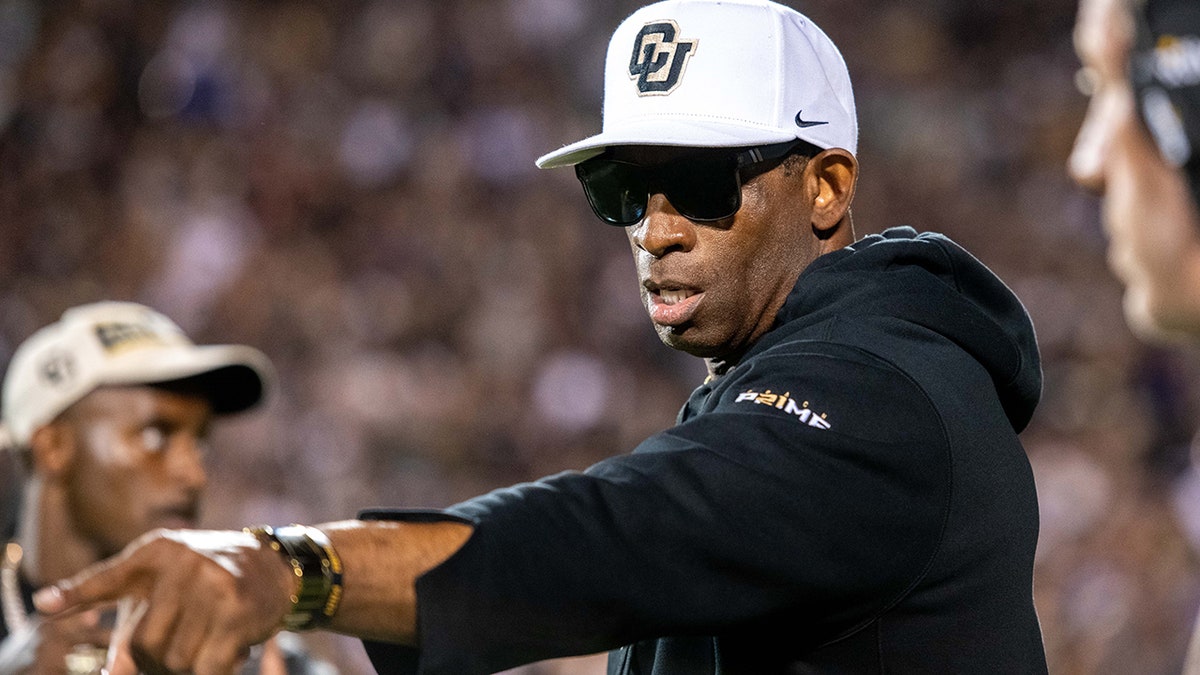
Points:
(102, 583)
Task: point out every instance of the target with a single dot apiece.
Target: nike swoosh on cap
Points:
(804, 124)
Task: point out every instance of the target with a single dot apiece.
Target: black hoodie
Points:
(850, 497)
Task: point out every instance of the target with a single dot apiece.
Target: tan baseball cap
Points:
(121, 343)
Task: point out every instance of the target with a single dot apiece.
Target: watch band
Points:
(318, 570)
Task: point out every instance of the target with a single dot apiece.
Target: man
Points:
(846, 492)
(110, 409)
(1139, 147)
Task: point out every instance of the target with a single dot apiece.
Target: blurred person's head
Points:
(1139, 147)
(110, 408)
(727, 154)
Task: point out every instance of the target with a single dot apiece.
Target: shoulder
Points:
(830, 386)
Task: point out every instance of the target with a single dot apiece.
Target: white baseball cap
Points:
(720, 73)
(120, 343)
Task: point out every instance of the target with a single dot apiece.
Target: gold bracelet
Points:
(317, 568)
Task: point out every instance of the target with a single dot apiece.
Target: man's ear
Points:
(835, 172)
(52, 449)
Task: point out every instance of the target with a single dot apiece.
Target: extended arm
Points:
(383, 561)
(214, 594)
(754, 508)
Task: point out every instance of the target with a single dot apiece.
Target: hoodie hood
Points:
(927, 280)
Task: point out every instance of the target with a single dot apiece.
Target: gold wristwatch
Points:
(318, 570)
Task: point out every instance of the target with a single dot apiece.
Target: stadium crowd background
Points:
(349, 186)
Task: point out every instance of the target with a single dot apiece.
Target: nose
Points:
(663, 230)
(186, 461)
(1093, 145)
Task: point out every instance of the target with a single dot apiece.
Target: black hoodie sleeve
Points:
(815, 481)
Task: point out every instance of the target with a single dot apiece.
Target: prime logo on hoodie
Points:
(787, 404)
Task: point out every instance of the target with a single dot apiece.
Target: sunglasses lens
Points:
(616, 191)
(703, 190)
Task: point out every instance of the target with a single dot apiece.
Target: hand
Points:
(42, 647)
(208, 596)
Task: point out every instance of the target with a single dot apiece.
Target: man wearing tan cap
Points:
(109, 409)
(846, 492)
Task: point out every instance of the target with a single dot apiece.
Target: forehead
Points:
(140, 403)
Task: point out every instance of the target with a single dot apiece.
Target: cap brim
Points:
(232, 378)
(665, 131)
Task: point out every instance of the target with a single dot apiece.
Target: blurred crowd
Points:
(349, 186)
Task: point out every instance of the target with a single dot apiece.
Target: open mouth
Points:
(672, 306)
(674, 297)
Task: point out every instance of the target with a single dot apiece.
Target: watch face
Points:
(1166, 74)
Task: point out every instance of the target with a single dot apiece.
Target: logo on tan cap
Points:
(59, 368)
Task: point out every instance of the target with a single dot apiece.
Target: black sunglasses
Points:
(702, 188)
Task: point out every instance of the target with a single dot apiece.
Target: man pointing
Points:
(845, 492)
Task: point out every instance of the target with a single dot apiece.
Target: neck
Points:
(52, 545)
(718, 367)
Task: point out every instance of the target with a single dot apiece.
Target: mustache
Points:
(187, 510)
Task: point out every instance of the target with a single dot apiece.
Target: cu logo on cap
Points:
(58, 369)
(658, 59)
